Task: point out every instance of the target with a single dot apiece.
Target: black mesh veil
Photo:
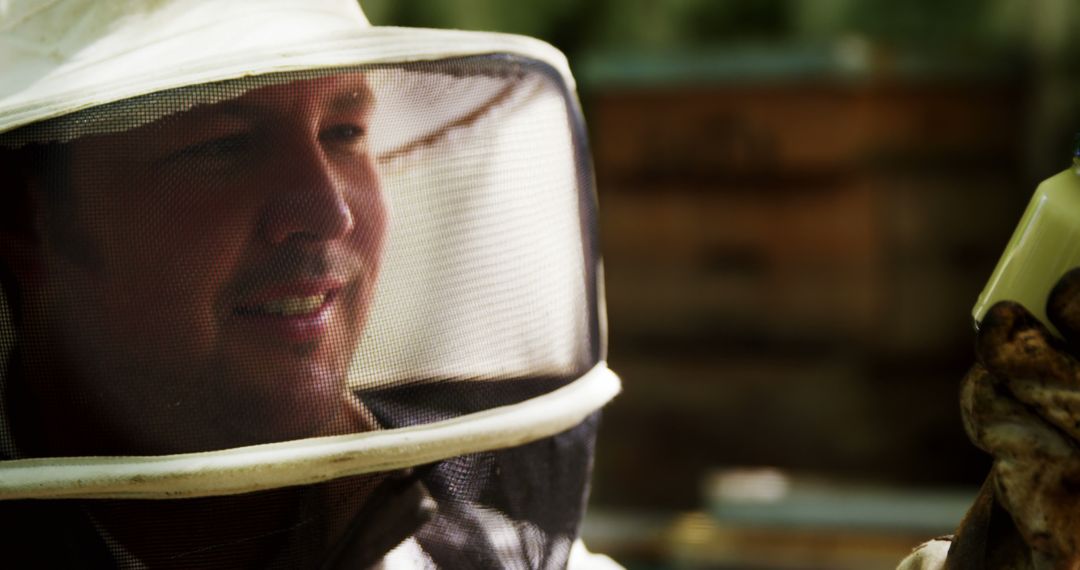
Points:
(393, 262)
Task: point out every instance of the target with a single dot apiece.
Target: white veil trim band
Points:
(314, 460)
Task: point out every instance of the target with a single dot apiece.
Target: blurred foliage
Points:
(576, 25)
(918, 23)
(921, 20)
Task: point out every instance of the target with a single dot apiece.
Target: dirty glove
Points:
(1021, 404)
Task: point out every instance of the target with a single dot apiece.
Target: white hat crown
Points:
(62, 56)
(51, 46)
(64, 29)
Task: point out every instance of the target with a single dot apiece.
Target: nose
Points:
(309, 202)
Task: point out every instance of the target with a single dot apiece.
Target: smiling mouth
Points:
(292, 306)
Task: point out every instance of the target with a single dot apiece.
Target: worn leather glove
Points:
(1021, 404)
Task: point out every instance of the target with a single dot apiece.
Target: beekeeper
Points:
(283, 289)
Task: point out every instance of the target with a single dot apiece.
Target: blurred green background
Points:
(800, 201)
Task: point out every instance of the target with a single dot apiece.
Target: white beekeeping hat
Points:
(282, 288)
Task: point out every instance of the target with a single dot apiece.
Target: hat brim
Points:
(78, 85)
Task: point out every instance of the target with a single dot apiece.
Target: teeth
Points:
(290, 306)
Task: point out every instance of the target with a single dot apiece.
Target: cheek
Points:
(373, 233)
(167, 261)
(370, 215)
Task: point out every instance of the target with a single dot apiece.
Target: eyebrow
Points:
(358, 97)
(231, 108)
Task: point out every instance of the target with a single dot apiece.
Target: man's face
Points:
(206, 282)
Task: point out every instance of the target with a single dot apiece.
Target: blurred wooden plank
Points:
(717, 133)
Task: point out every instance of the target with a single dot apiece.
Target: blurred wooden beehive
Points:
(761, 235)
(803, 205)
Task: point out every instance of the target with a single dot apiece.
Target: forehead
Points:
(347, 93)
(299, 101)
(302, 99)
(339, 92)
(276, 108)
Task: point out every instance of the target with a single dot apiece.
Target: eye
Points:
(343, 133)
